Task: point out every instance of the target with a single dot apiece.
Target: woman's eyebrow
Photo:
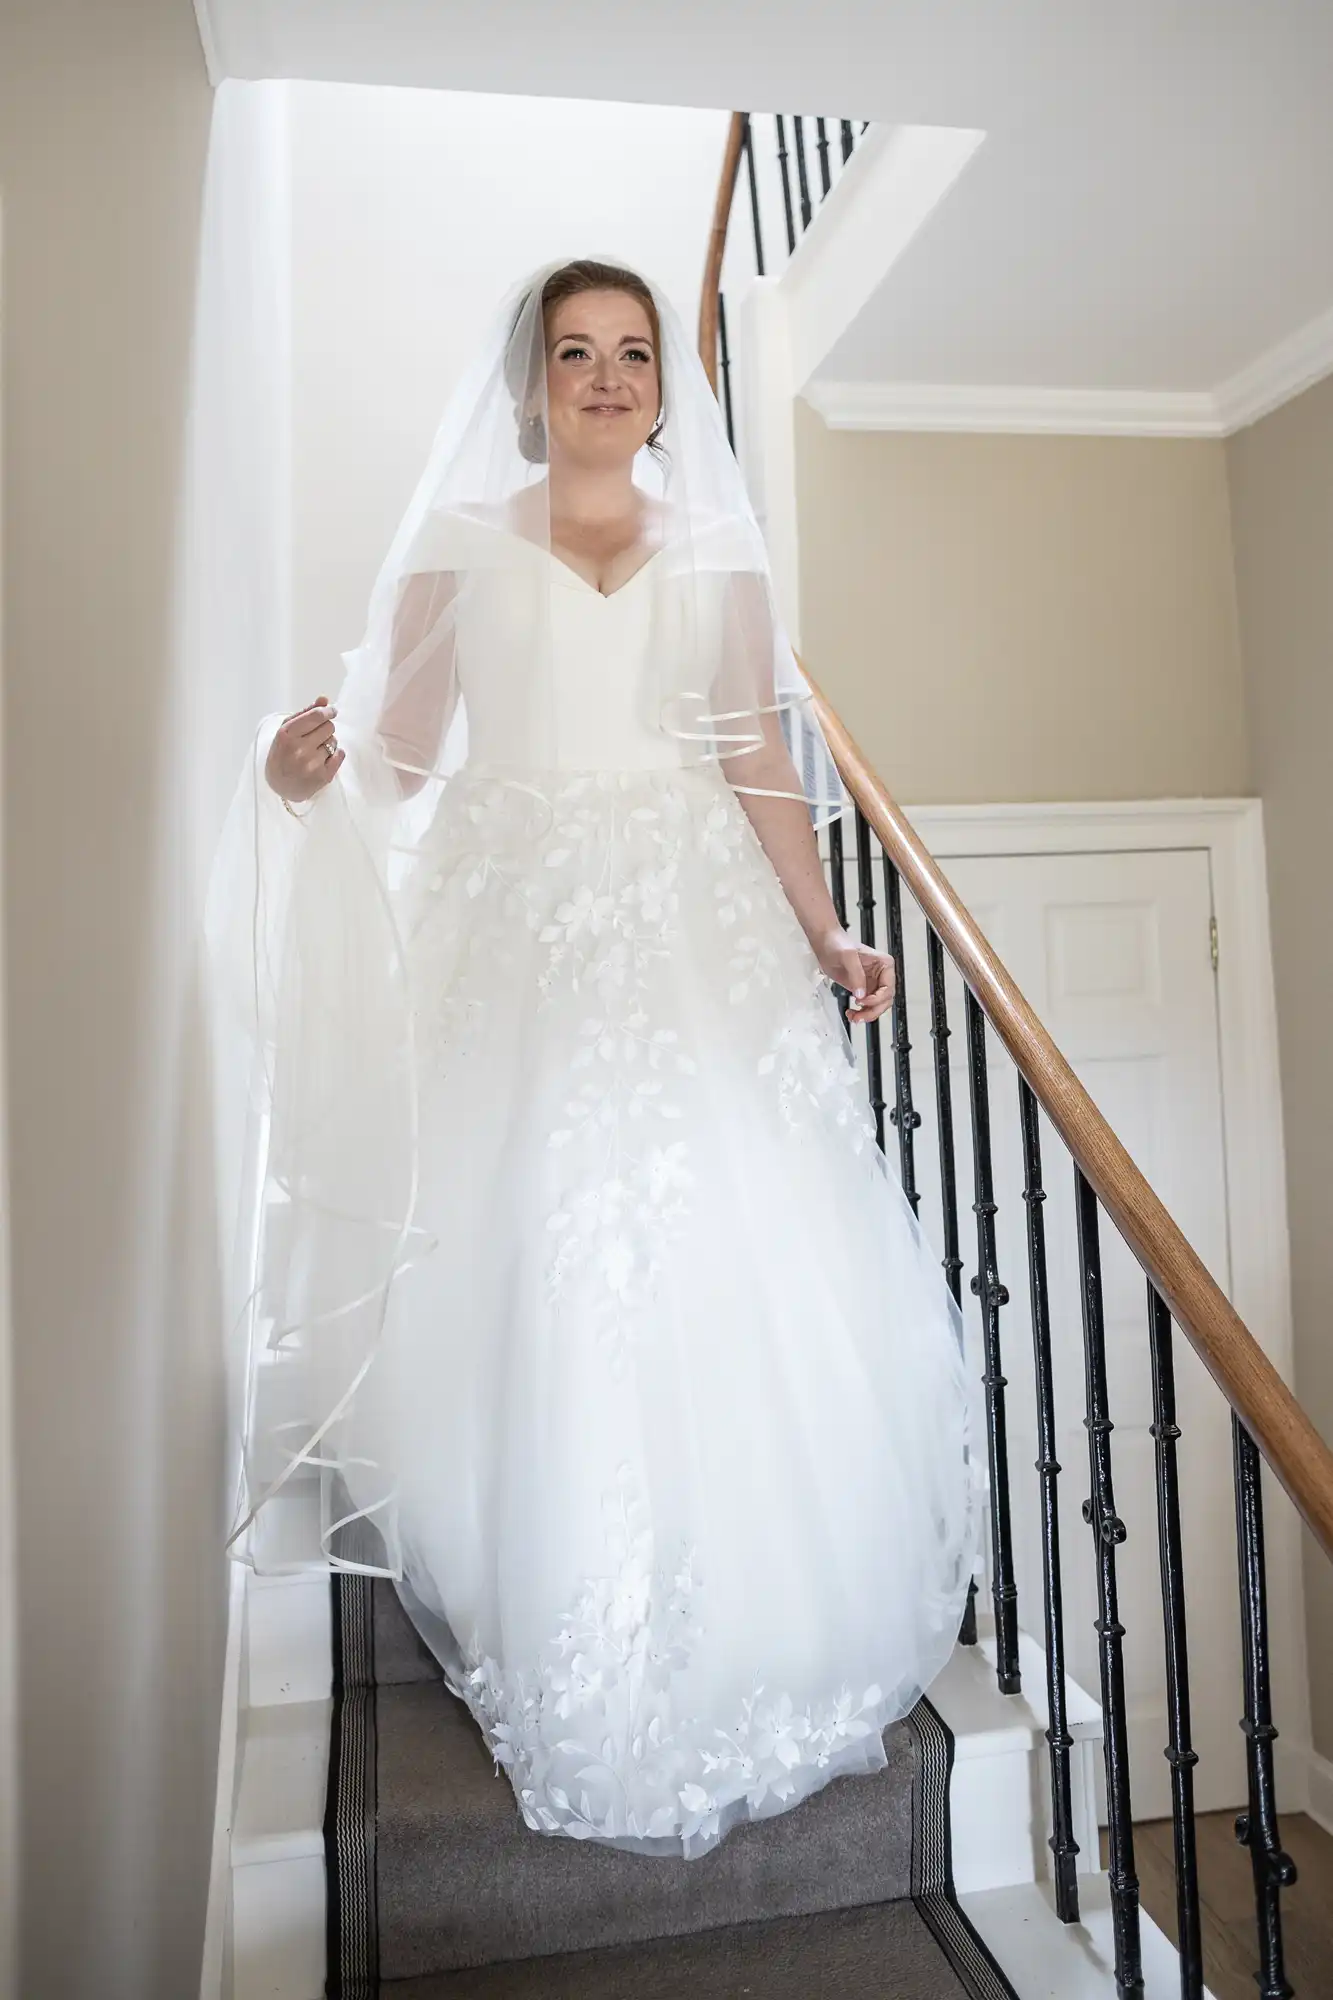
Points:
(626, 339)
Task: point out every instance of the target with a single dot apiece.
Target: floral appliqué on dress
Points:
(591, 1736)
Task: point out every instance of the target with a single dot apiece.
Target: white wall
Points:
(413, 212)
(143, 629)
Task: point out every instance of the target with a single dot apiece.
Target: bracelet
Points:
(294, 813)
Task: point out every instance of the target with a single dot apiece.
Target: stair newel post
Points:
(865, 903)
(1180, 1754)
(724, 361)
(1108, 1532)
(848, 139)
(1064, 1847)
(1257, 1826)
(784, 169)
(992, 1295)
(903, 1116)
(752, 178)
(952, 1261)
(838, 886)
(802, 173)
(821, 148)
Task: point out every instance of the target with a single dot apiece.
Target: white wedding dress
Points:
(675, 1403)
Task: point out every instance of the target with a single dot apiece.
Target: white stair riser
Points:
(288, 1640)
(999, 1808)
(278, 1930)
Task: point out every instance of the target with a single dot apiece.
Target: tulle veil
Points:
(305, 915)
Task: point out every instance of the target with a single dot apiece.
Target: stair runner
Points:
(438, 1891)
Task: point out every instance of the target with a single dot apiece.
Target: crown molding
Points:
(911, 406)
(1285, 370)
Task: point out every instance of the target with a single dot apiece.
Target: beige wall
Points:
(1021, 618)
(1281, 472)
(104, 122)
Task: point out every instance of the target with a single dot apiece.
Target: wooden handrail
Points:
(717, 244)
(1293, 1448)
(1233, 1357)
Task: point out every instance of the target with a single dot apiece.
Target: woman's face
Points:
(602, 388)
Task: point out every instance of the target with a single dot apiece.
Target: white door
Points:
(1113, 951)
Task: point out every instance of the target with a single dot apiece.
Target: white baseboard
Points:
(215, 1974)
(1320, 1798)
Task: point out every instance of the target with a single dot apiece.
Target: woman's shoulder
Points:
(715, 538)
(462, 536)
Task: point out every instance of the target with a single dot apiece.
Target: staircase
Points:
(852, 1881)
(374, 1847)
(821, 1898)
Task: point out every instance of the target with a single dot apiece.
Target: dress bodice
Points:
(576, 693)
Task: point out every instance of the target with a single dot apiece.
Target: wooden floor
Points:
(1230, 1958)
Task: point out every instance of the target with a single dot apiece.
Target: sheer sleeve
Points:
(748, 674)
(421, 693)
(762, 772)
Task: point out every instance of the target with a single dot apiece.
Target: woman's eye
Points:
(573, 354)
(637, 354)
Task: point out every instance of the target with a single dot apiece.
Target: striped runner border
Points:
(933, 1894)
(351, 1921)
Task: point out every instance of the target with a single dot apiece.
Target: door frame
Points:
(1231, 831)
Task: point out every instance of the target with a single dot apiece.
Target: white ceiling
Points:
(1152, 209)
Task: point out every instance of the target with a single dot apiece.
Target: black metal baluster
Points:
(1180, 1754)
(940, 1033)
(1063, 1845)
(785, 171)
(802, 176)
(838, 884)
(848, 141)
(724, 354)
(821, 148)
(1108, 1532)
(1257, 1828)
(753, 178)
(865, 903)
(952, 1261)
(902, 1116)
(992, 1294)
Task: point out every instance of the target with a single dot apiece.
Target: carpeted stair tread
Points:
(401, 1655)
(885, 1952)
(463, 1882)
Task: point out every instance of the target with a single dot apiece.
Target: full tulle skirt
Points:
(674, 1403)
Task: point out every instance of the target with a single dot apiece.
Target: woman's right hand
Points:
(298, 764)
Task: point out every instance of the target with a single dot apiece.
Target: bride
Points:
(579, 1279)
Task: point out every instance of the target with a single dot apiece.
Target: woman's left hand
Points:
(868, 975)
